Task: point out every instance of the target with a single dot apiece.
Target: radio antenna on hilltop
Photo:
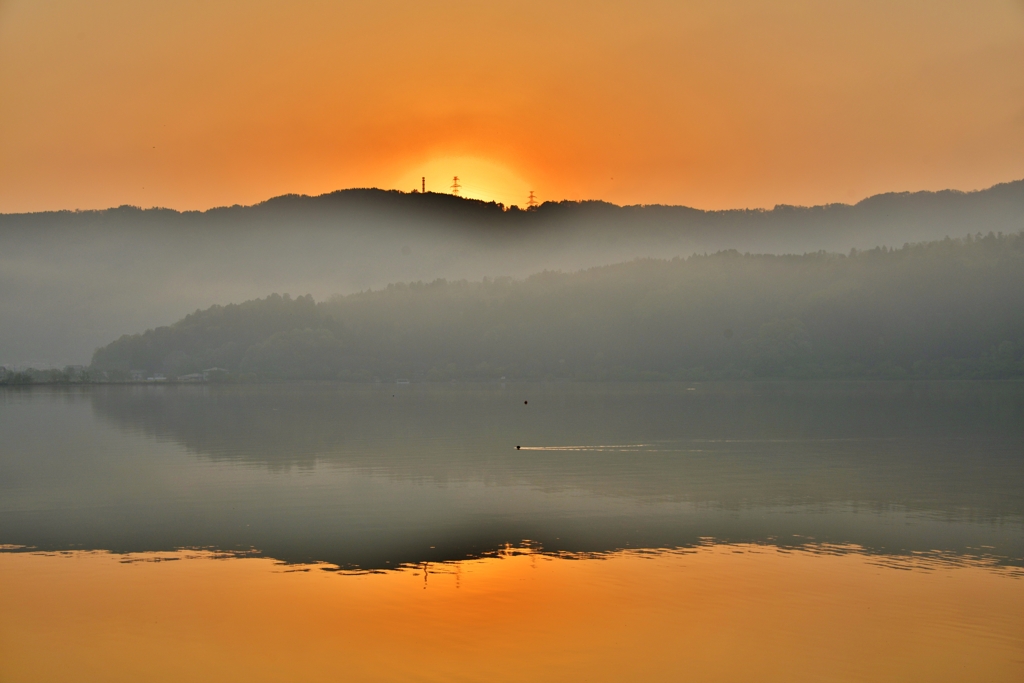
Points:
(455, 186)
(423, 186)
(531, 202)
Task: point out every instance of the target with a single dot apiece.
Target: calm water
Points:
(624, 495)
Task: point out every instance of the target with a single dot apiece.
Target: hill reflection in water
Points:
(377, 476)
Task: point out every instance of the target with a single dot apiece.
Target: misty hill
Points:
(950, 308)
(73, 280)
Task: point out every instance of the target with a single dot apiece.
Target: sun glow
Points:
(479, 178)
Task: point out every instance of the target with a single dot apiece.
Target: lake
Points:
(732, 531)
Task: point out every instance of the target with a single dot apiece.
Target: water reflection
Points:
(380, 476)
(711, 613)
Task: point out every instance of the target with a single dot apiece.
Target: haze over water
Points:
(686, 519)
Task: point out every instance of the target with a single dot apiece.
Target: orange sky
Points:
(710, 103)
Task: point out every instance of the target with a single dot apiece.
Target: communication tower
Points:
(531, 202)
(423, 184)
(455, 186)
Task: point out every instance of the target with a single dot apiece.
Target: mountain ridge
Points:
(1014, 187)
(942, 310)
(74, 280)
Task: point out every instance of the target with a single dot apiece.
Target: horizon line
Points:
(559, 202)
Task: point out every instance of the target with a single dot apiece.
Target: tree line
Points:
(944, 309)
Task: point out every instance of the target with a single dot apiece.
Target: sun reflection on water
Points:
(710, 612)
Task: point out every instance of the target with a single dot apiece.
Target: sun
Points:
(479, 178)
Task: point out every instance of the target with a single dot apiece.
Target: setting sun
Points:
(478, 179)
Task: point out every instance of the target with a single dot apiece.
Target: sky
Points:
(708, 103)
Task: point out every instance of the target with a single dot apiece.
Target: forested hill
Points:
(877, 218)
(948, 309)
(63, 274)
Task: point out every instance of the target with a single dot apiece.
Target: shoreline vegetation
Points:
(947, 309)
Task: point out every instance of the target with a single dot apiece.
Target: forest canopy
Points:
(63, 274)
(943, 309)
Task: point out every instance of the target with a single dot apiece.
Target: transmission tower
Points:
(455, 186)
(423, 184)
(531, 202)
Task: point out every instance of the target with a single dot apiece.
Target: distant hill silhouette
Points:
(917, 215)
(946, 309)
(72, 280)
